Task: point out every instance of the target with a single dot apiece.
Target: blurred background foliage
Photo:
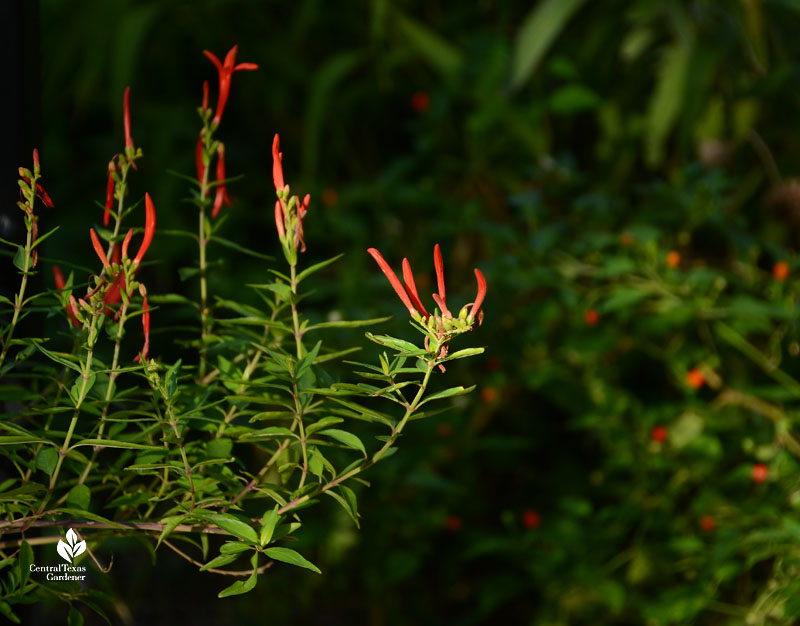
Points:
(564, 147)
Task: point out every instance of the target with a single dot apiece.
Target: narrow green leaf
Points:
(170, 524)
(25, 560)
(243, 586)
(345, 438)
(57, 358)
(79, 496)
(539, 30)
(222, 559)
(288, 555)
(234, 547)
(268, 524)
(447, 393)
(316, 267)
(464, 353)
(323, 423)
(229, 523)
(110, 443)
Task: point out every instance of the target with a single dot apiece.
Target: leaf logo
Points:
(70, 548)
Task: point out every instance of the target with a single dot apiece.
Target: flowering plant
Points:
(214, 456)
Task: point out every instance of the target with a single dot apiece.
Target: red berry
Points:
(530, 519)
(707, 523)
(781, 270)
(659, 433)
(695, 378)
(453, 523)
(420, 101)
(759, 473)
(592, 317)
(673, 258)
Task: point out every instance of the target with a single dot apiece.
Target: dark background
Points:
(545, 130)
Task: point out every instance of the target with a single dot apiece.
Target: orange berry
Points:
(530, 519)
(780, 270)
(420, 101)
(707, 523)
(759, 473)
(444, 430)
(453, 523)
(330, 197)
(488, 395)
(659, 433)
(592, 317)
(695, 378)
(626, 239)
(673, 258)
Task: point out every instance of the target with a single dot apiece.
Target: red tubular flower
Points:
(126, 118)
(142, 356)
(41, 193)
(98, 248)
(398, 287)
(226, 71)
(35, 159)
(277, 165)
(408, 279)
(279, 219)
(149, 228)
(205, 96)
(113, 293)
(198, 159)
(58, 277)
(439, 265)
(109, 194)
(476, 306)
(126, 242)
(222, 192)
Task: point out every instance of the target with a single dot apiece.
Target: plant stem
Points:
(202, 241)
(20, 297)
(298, 406)
(412, 407)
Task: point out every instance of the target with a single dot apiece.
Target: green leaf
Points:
(79, 497)
(25, 560)
(20, 259)
(347, 500)
(11, 439)
(110, 443)
(75, 617)
(439, 52)
(667, 100)
(235, 246)
(345, 438)
(306, 361)
(222, 559)
(41, 239)
(234, 547)
(318, 266)
(5, 609)
(447, 393)
(463, 353)
(57, 358)
(187, 272)
(539, 30)
(243, 586)
(348, 323)
(323, 423)
(397, 344)
(270, 431)
(46, 460)
(229, 523)
(287, 555)
(268, 523)
(219, 448)
(170, 524)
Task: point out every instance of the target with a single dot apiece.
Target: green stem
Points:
(202, 241)
(410, 410)
(20, 297)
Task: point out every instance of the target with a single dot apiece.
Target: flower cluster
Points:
(439, 327)
(290, 213)
(30, 189)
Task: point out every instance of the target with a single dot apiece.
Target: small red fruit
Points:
(531, 519)
(453, 523)
(659, 433)
(420, 101)
(592, 317)
(780, 270)
(673, 258)
(707, 523)
(444, 430)
(759, 473)
(695, 378)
